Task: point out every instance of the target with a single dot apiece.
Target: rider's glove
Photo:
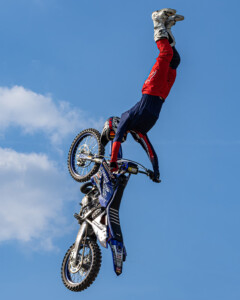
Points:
(154, 176)
(113, 166)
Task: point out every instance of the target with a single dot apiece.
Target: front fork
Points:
(81, 233)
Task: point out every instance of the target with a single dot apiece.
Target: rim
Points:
(87, 144)
(77, 274)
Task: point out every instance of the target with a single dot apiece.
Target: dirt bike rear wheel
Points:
(78, 278)
(86, 142)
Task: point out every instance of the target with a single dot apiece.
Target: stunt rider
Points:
(141, 117)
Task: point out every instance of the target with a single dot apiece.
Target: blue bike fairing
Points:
(104, 184)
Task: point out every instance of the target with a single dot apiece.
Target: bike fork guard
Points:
(118, 255)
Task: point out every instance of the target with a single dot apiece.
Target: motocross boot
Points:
(169, 23)
(159, 18)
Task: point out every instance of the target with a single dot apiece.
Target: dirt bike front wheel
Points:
(86, 142)
(80, 276)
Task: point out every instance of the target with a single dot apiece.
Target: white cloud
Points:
(31, 198)
(34, 112)
(33, 189)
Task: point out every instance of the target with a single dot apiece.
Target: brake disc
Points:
(82, 268)
(71, 266)
(84, 149)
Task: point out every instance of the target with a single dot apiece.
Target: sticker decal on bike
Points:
(117, 253)
(104, 185)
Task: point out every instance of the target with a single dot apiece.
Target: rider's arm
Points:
(143, 140)
(119, 136)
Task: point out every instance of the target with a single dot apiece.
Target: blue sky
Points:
(69, 65)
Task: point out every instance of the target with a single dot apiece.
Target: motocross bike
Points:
(99, 213)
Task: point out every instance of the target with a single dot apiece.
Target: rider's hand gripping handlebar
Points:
(153, 176)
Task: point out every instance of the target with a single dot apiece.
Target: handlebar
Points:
(126, 165)
(133, 167)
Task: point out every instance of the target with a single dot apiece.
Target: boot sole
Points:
(179, 18)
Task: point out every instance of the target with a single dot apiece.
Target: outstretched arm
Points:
(143, 140)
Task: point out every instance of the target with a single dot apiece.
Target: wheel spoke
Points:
(87, 144)
(80, 276)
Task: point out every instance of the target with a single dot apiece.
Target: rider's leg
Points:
(156, 83)
(172, 71)
(171, 21)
